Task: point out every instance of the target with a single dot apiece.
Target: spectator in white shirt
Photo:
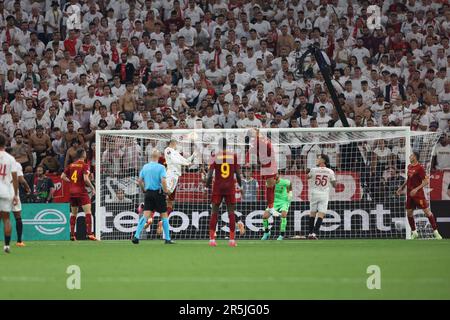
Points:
(209, 119)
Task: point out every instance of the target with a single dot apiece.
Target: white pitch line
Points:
(25, 279)
(206, 280)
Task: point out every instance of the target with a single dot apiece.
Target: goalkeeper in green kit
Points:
(283, 198)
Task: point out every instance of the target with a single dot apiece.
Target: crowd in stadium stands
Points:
(153, 64)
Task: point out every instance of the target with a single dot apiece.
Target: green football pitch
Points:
(324, 269)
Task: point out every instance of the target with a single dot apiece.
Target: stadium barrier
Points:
(357, 219)
(43, 221)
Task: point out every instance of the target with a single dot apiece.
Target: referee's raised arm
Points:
(152, 180)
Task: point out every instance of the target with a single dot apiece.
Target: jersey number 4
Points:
(225, 170)
(321, 180)
(3, 170)
(74, 177)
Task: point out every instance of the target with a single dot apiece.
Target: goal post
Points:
(370, 163)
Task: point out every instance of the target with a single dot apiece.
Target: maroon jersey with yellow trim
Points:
(416, 174)
(225, 166)
(75, 172)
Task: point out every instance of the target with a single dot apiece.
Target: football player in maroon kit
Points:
(224, 166)
(77, 174)
(415, 195)
(261, 147)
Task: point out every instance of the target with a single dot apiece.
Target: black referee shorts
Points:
(155, 200)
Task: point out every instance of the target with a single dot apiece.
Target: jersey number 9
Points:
(225, 170)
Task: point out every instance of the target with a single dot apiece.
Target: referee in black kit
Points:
(152, 180)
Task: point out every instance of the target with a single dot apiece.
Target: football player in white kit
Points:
(9, 189)
(17, 208)
(174, 160)
(322, 177)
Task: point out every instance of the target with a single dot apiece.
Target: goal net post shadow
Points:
(370, 164)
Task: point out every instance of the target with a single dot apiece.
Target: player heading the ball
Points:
(322, 178)
(224, 166)
(261, 148)
(415, 195)
(174, 161)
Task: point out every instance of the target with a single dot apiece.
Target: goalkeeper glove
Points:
(191, 158)
(290, 196)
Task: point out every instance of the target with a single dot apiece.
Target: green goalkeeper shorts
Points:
(281, 206)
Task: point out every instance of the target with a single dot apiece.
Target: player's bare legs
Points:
(150, 221)
(19, 228)
(232, 219)
(431, 219)
(213, 225)
(314, 228)
(433, 223)
(7, 230)
(73, 221)
(88, 212)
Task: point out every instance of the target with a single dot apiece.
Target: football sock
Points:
(88, 223)
(318, 224)
(212, 226)
(266, 225)
(283, 225)
(19, 228)
(311, 224)
(232, 218)
(165, 223)
(270, 196)
(73, 220)
(7, 240)
(412, 223)
(140, 226)
(432, 221)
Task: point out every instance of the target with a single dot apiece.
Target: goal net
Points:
(370, 164)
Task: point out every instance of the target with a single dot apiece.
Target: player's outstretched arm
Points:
(178, 159)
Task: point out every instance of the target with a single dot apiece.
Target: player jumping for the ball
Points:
(224, 166)
(415, 195)
(77, 174)
(173, 160)
(263, 150)
(322, 177)
(283, 198)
